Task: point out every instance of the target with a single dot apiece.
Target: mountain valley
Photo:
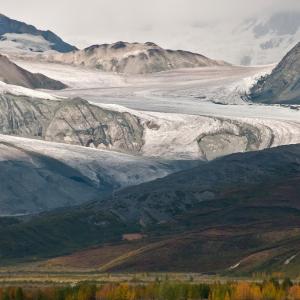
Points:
(127, 157)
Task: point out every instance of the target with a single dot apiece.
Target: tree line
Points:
(267, 290)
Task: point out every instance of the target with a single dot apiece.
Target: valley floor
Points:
(185, 105)
(199, 91)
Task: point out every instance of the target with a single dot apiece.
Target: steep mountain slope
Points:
(228, 208)
(283, 84)
(133, 58)
(252, 228)
(19, 35)
(12, 74)
(180, 192)
(32, 183)
(37, 176)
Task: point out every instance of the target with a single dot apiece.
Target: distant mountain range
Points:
(21, 35)
(258, 40)
(133, 58)
(283, 84)
(12, 74)
(20, 39)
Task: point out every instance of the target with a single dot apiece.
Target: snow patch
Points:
(288, 261)
(22, 91)
(74, 77)
(233, 267)
(19, 42)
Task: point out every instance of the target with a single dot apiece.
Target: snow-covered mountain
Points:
(133, 58)
(258, 40)
(16, 36)
(10, 73)
(262, 39)
(271, 37)
(283, 84)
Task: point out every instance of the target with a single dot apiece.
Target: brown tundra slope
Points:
(12, 74)
(134, 58)
(237, 214)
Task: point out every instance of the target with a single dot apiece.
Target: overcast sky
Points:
(86, 22)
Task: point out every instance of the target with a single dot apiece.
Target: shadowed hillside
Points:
(235, 214)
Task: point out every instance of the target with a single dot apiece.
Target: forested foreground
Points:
(267, 290)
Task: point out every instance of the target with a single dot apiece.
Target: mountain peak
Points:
(151, 44)
(18, 28)
(119, 45)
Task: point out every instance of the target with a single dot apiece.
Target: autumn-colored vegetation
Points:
(268, 290)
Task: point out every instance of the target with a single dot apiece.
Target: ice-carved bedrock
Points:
(24, 116)
(234, 136)
(77, 122)
(73, 121)
(242, 135)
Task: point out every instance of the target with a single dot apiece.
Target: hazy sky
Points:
(85, 22)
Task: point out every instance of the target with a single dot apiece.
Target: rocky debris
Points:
(232, 137)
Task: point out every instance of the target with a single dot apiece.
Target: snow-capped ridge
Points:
(12, 30)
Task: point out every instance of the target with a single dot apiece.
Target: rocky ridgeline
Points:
(133, 58)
